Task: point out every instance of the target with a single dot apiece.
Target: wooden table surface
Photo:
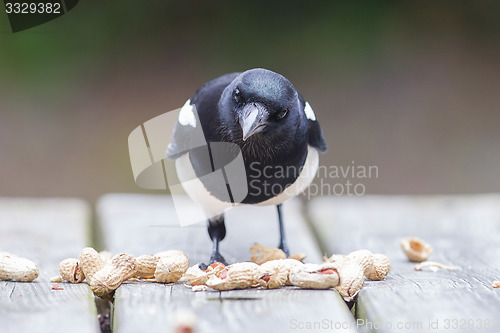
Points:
(125, 227)
(464, 231)
(45, 231)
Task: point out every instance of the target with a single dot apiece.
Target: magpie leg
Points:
(217, 232)
(283, 243)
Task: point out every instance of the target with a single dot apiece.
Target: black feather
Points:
(315, 135)
(282, 145)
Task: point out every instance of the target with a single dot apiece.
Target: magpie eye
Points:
(237, 95)
(282, 114)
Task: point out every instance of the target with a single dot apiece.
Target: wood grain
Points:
(142, 224)
(45, 231)
(464, 231)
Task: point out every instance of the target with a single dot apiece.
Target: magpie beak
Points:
(253, 119)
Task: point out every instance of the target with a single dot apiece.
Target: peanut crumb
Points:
(57, 278)
(434, 266)
(201, 287)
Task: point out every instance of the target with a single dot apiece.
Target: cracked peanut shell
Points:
(236, 276)
(261, 254)
(416, 249)
(312, 276)
(71, 271)
(195, 276)
(275, 273)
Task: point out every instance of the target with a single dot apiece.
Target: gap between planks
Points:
(45, 231)
(464, 231)
(144, 224)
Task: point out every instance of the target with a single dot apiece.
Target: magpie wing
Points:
(314, 132)
(197, 117)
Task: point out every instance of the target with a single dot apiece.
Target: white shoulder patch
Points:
(309, 112)
(186, 116)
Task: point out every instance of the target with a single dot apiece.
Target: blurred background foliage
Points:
(409, 86)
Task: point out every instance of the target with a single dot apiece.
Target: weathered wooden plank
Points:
(464, 231)
(142, 224)
(45, 231)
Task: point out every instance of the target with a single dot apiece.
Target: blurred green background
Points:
(412, 87)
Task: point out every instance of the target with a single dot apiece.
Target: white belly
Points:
(213, 206)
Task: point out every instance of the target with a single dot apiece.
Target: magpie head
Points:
(261, 107)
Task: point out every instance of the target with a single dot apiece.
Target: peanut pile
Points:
(105, 273)
(271, 269)
(268, 269)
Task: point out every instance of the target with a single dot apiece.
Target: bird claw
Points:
(285, 249)
(216, 257)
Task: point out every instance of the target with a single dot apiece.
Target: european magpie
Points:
(272, 127)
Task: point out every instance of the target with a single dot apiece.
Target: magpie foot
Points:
(283, 245)
(216, 257)
(285, 249)
(213, 259)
